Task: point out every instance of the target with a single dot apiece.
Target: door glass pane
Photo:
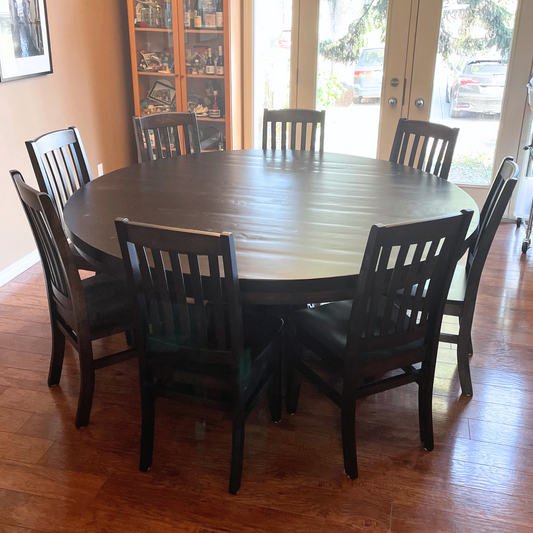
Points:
(351, 50)
(272, 60)
(470, 76)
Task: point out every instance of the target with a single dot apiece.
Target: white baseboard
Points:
(19, 267)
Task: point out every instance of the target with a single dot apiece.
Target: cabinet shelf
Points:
(204, 31)
(212, 76)
(164, 30)
(149, 73)
(209, 119)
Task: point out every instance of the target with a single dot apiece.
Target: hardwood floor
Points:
(479, 478)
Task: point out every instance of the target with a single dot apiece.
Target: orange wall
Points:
(90, 88)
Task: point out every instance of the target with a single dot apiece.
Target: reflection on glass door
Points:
(272, 23)
(351, 53)
(470, 76)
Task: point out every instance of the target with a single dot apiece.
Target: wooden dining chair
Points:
(354, 341)
(193, 336)
(293, 123)
(166, 135)
(425, 146)
(61, 168)
(461, 301)
(81, 311)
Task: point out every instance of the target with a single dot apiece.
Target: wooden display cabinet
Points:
(165, 77)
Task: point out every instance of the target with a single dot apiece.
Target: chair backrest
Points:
(403, 283)
(307, 119)
(62, 278)
(425, 146)
(166, 135)
(489, 220)
(187, 286)
(60, 164)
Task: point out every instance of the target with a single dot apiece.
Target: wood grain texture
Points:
(299, 218)
(54, 478)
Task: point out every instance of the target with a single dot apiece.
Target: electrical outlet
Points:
(100, 169)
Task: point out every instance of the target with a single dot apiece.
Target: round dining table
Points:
(300, 220)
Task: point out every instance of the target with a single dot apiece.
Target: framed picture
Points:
(24, 39)
(162, 92)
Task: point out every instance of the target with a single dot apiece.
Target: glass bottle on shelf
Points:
(209, 14)
(198, 15)
(168, 15)
(210, 64)
(220, 62)
(219, 15)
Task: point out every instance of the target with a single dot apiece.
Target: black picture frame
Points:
(159, 91)
(25, 49)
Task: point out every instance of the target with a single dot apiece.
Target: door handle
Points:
(393, 101)
(419, 102)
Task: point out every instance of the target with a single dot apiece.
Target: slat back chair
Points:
(381, 333)
(60, 164)
(190, 320)
(462, 297)
(294, 125)
(80, 311)
(166, 135)
(425, 146)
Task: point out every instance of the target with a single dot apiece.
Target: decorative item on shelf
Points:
(210, 19)
(198, 22)
(214, 112)
(219, 15)
(162, 93)
(168, 15)
(148, 108)
(212, 87)
(210, 64)
(210, 138)
(220, 62)
(201, 110)
(162, 61)
(148, 14)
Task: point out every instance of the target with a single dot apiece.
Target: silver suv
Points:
(368, 74)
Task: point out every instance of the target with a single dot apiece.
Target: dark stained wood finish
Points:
(173, 134)
(300, 219)
(363, 342)
(424, 145)
(298, 124)
(61, 168)
(197, 346)
(80, 311)
(463, 292)
(54, 478)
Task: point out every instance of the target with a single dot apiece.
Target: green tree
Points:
(467, 28)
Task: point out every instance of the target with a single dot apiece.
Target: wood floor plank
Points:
(479, 477)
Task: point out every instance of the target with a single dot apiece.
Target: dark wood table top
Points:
(300, 219)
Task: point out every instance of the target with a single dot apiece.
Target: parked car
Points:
(478, 88)
(368, 74)
(284, 39)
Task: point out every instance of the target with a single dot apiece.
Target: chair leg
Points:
(349, 449)
(147, 429)
(58, 353)
(293, 377)
(129, 338)
(464, 344)
(274, 390)
(85, 401)
(237, 451)
(470, 345)
(425, 413)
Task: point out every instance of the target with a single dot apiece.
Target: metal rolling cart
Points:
(528, 180)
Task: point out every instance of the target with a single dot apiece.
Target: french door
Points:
(410, 61)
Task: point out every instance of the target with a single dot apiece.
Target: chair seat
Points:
(108, 303)
(327, 326)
